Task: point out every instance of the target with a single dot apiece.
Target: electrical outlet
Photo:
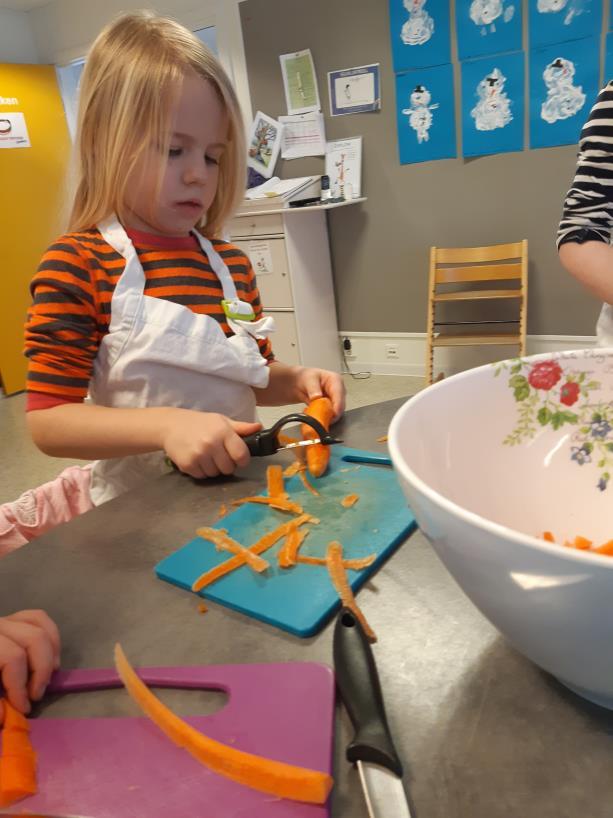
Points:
(391, 351)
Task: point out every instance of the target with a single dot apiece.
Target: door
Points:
(32, 197)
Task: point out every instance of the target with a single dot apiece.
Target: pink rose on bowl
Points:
(545, 375)
(569, 393)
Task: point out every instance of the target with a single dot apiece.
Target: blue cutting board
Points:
(301, 599)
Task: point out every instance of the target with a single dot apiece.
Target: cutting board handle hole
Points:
(115, 702)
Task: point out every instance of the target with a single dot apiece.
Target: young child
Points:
(140, 306)
(584, 235)
(29, 653)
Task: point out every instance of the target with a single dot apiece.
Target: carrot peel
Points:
(266, 775)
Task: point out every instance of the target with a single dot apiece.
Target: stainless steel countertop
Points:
(483, 733)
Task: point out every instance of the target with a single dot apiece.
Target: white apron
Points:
(158, 353)
(604, 327)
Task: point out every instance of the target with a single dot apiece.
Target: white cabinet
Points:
(290, 255)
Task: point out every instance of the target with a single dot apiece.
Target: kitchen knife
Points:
(372, 747)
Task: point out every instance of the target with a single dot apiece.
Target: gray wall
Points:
(380, 248)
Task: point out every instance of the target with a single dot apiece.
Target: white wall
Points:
(64, 29)
(16, 38)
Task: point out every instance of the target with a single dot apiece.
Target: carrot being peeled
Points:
(317, 456)
(266, 775)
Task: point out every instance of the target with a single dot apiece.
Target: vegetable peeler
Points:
(266, 442)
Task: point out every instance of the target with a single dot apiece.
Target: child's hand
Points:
(205, 444)
(29, 653)
(321, 383)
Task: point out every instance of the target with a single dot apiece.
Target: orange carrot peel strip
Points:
(354, 564)
(18, 759)
(293, 469)
(219, 536)
(350, 500)
(274, 502)
(288, 554)
(274, 478)
(263, 774)
(306, 483)
(223, 510)
(259, 547)
(334, 558)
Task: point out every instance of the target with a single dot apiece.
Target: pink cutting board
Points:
(127, 768)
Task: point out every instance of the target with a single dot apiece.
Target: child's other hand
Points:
(205, 444)
(29, 653)
(318, 383)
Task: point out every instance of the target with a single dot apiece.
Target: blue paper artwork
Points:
(488, 27)
(608, 59)
(420, 33)
(425, 113)
(493, 105)
(556, 21)
(563, 88)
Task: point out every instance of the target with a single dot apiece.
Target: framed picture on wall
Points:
(563, 88)
(264, 144)
(354, 90)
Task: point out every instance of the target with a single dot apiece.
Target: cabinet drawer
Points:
(285, 339)
(269, 262)
(259, 225)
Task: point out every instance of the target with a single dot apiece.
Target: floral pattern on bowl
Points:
(553, 393)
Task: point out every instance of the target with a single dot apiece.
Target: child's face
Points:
(199, 128)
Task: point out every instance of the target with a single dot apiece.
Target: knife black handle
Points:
(358, 683)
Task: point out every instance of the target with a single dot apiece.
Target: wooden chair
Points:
(464, 274)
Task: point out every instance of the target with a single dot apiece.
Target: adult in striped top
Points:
(584, 234)
(140, 305)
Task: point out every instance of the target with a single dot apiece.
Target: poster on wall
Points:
(556, 21)
(425, 112)
(488, 27)
(264, 144)
(563, 88)
(419, 31)
(344, 167)
(300, 82)
(493, 105)
(13, 130)
(354, 90)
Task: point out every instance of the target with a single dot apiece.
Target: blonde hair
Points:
(131, 72)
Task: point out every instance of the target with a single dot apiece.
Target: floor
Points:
(24, 466)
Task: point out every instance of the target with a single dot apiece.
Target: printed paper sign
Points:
(13, 131)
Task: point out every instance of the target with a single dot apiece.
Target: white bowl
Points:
(486, 473)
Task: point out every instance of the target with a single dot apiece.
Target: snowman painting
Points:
(420, 112)
(484, 13)
(419, 27)
(563, 98)
(573, 8)
(493, 110)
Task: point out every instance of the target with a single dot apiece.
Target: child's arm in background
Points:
(201, 444)
(29, 653)
(300, 384)
(585, 228)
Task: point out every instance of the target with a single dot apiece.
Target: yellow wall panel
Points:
(32, 197)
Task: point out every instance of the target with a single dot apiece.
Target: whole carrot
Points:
(317, 456)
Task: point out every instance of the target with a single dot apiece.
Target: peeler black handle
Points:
(266, 442)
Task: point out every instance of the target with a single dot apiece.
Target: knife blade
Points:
(372, 747)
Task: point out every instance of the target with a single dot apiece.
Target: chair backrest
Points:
(461, 265)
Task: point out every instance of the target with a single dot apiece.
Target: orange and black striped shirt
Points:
(71, 307)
